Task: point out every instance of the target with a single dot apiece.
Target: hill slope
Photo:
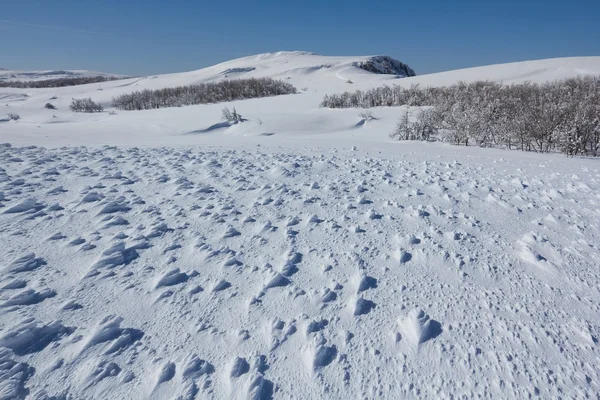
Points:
(315, 74)
(291, 117)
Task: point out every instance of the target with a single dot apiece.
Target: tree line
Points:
(203, 93)
(58, 82)
(561, 116)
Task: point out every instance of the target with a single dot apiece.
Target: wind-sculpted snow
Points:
(270, 273)
(13, 376)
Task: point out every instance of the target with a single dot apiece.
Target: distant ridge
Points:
(19, 75)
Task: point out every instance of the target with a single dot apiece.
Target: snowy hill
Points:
(291, 117)
(301, 254)
(536, 71)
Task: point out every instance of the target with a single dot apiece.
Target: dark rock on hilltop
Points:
(386, 65)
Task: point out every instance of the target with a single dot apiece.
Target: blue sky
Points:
(152, 36)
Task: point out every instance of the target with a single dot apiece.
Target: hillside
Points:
(291, 117)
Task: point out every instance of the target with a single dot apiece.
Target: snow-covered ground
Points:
(301, 254)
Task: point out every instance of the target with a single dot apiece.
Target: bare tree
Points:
(562, 116)
(367, 115)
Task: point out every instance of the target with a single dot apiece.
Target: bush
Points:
(204, 93)
(50, 106)
(232, 116)
(366, 115)
(14, 116)
(562, 116)
(85, 105)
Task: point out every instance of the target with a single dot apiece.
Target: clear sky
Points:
(155, 36)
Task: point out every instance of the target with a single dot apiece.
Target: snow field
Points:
(260, 272)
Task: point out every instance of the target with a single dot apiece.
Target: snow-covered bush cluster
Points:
(13, 117)
(203, 93)
(59, 82)
(561, 116)
(85, 105)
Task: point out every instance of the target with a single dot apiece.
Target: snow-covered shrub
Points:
(14, 116)
(85, 105)
(366, 115)
(50, 106)
(232, 116)
(204, 93)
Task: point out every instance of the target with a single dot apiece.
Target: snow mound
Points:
(30, 336)
(318, 355)
(13, 376)
(418, 328)
(26, 263)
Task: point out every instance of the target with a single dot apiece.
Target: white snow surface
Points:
(301, 254)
